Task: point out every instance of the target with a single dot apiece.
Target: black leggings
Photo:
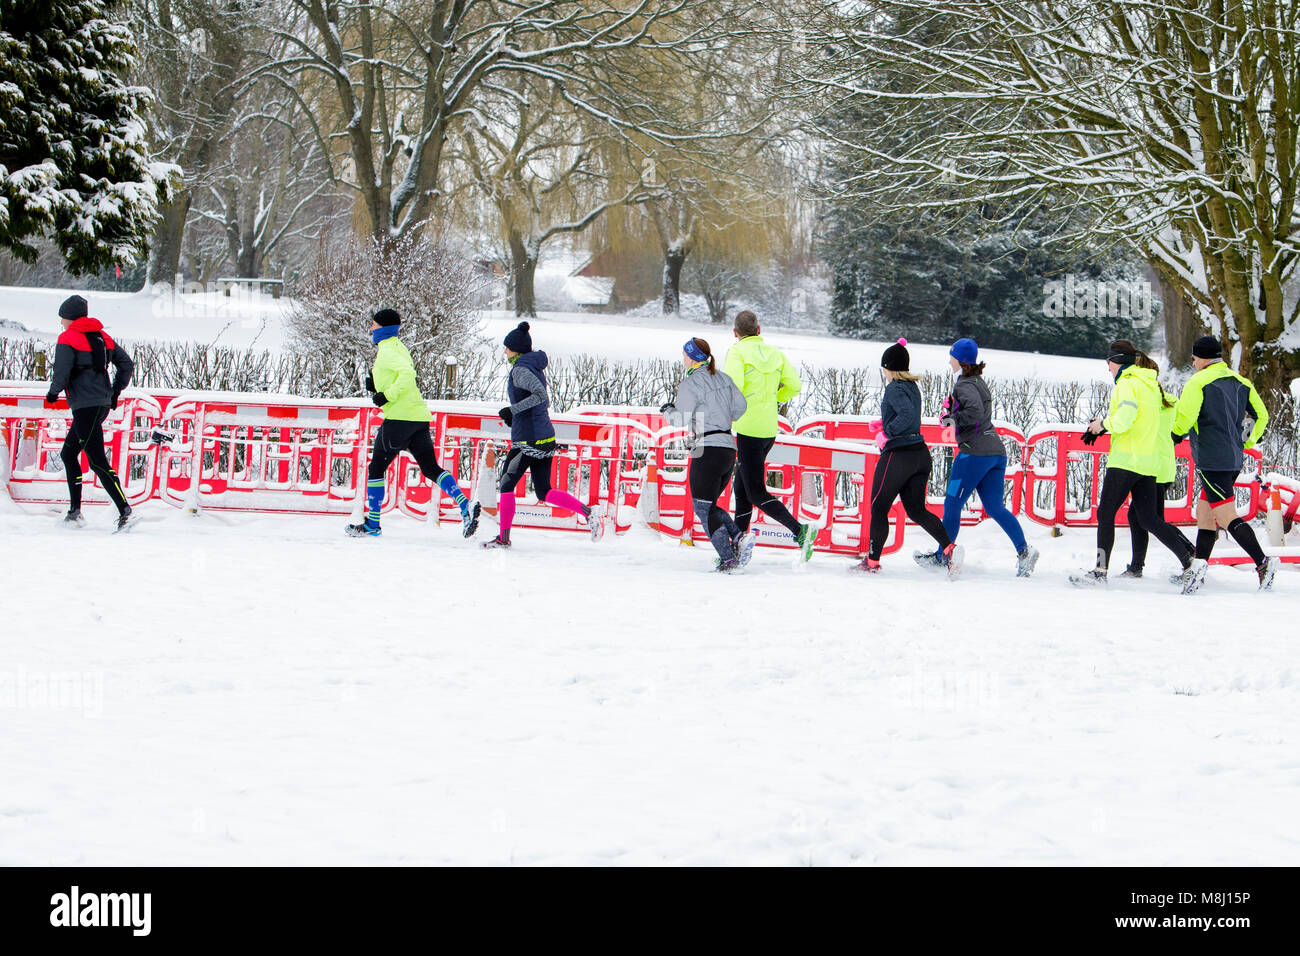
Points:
(86, 434)
(1115, 487)
(1141, 537)
(396, 436)
(517, 463)
(751, 484)
(711, 469)
(902, 473)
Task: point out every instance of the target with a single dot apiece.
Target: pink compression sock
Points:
(506, 513)
(563, 499)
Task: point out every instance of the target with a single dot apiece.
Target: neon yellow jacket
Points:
(766, 378)
(394, 375)
(1216, 406)
(1134, 422)
(1168, 466)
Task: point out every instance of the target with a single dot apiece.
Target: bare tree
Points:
(392, 82)
(193, 52)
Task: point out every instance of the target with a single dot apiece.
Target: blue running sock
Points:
(374, 500)
(448, 484)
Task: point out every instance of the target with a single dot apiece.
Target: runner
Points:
(405, 428)
(708, 401)
(1223, 415)
(532, 438)
(766, 379)
(81, 359)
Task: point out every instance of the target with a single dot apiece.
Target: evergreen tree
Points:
(73, 154)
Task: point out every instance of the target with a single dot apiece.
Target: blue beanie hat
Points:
(965, 351)
(518, 339)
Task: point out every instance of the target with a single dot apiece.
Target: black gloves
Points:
(116, 395)
(370, 382)
(1090, 438)
(52, 397)
(1178, 439)
(506, 415)
(666, 407)
(380, 399)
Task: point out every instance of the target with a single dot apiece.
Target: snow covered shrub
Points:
(431, 285)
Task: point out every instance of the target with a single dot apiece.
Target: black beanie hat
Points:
(1207, 347)
(896, 358)
(73, 307)
(518, 339)
(388, 317)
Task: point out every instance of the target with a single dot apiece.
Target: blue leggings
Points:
(985, 474)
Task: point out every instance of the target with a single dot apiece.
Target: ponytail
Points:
(703, 346)
(1147, 362)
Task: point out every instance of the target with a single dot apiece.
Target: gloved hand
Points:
(946, 405)
(51, 397)
(666, 407)
(380, 399)
(116, 395)
(506, 415)
(370, 382)
(1178, 439)
(1090, 438)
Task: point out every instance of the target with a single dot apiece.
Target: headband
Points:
(1122, 358)
(694, 351)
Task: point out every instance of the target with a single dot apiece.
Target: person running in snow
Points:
(81, 359)
(1133, 422)
(1166, 470)
(903, 470)
(767, 379)
(405, 428)
(532, 438)
(708, 401)
(1223, 415)
(981, 460)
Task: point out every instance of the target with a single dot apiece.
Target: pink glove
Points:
(876, 432)
(947, 404)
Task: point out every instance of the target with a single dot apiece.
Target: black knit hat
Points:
(1207, 347)
(388, 317)
(518, 339)
(73, 307)
(896, 358)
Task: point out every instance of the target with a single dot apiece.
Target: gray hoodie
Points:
(971, 411)
(707, 404)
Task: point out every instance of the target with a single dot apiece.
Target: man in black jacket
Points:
(81, 361)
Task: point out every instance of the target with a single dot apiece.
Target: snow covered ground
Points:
(239, 690)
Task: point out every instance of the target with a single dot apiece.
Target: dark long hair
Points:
(968, 369)
(703, 346)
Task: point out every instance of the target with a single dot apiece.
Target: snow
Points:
(257, 690)
(248, 319)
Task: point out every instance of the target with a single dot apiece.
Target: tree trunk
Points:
(1182, 323)
(674, 259)
(523, 268)
(165, 246)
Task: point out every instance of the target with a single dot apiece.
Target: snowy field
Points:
(257, 323)
(239, 690)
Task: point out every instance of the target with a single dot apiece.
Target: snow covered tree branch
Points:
(1173, 125)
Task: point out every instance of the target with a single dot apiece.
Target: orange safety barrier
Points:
(1063, 476)
(34, 434)
(854, 428)
(824, 483)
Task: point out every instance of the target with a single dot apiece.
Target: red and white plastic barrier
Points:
(281, 454)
